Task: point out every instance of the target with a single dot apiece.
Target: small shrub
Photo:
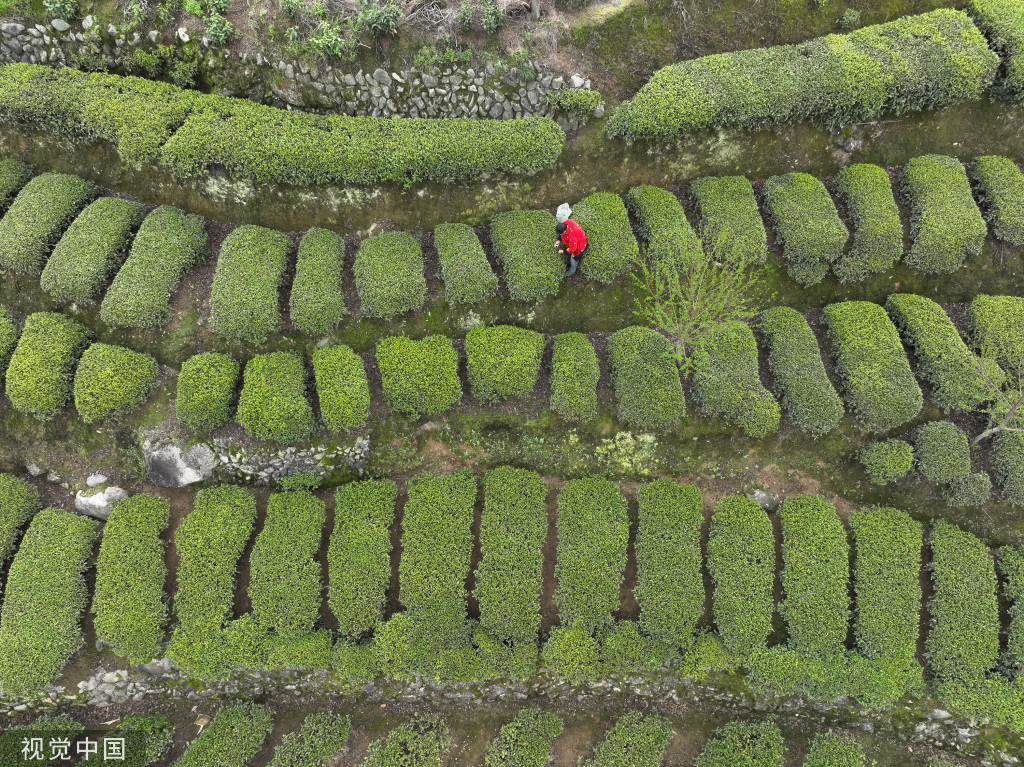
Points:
(419, 377)
(997, 330)
(235, 736)
(321, 736)
(40, 374)
(1002, 21)
(503, 361)
(467, 274)
(316, 303)
(524, 243)
(829, 749)
(206, 390)
(14, 174)
(273, 403)
(112, 381)
(342, 387)
(728, 219)
(611, 246)
(646, 379)
(19, 502)
(574, 376)
(970, 490)
(570, 653)
(1008, 465)
(9, 333)
(671, 241)
(525, 741)
(877, 229)
(942, 451)
(423, 742)
(636, 739)
(1000, 186)
(739, 743)
(389, 275)
(887, 461)
(581, 103)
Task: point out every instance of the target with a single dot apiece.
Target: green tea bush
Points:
(37, 218)
(467, 274)
(14, 174)
(997, 330)
(970, 490)
(206, 389)
(963, 643)
(525, 741)
(611, 247)
(580, 103)
(502, 361)
(961, 381)
(129, 601)
(574, 376)
(945, 222)
(830, 749)
(636, 739)
(887, 460)
(801, 383)
(423, 742)
(12, 739)
(510, 575)
(419, 377)
(316, 305)
(91, 250)
(1002, 21)
(1000, 188)
(112, 381)
(660, 220)
(815, 575)
(40, 374)
(169, 243)
(1008, 465)
(807, 225)
(669, 584)
(19, 502)
(877, 229)
(359, 554)
(389, 275)
(1011, 567)
(524, 244)
(148, 739)
(234, 736)
(741, 561)
(593, 530)
(342, 387)
(726, 381)
(646, 379)
(728, 219)
(942, 451)
(738, 744)
(40, 626)
(624, 650)
(914, 63)
(320, 737)
(571, 653)
(879, 387)
(243, 301)
(273, 403)
(9, 333)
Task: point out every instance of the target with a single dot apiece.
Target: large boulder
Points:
(172, 466)
(100, 504)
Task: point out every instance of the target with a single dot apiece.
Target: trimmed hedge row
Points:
(91, 250)
(830, 749)
(129, 601)
(359, 554)
(957, 376)
(728, 219)
(525, 741)
(389, 275)
(611, 247)
(646, 379)
(19, 502)
(1002, 21)
(524, 244)
(250, 267)
(741, 561)
(738, 744)
(574, 376)
(9, 333)
(284, 581)
(37, 218)
(807, 225)
(342, 387)
(502, 361)
(637, 739)
(968, 490)
(467, 274)
(945, 222)
(14, 174)
(316, 305)
(206, 389)
(1011, 567)
(726, 380)
(671, 241)
(801, 383)
(40, 625)
(887, 460)
(942, 451)
(423, 742)
(1000, 188)
(169, 243)
(234, 736)
(321, 736)
(40, 375)
(877, 229)
(914, 63)
(593, 530)
(419, 377)
(880, 389)
(1008, 465)
(510, 575)
(997, 330)
(669, 584)
(273, 403)
(112, 381)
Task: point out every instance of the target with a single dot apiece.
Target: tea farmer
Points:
(571, 242)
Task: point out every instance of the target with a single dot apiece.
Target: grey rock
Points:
(183, 35)
(60, 25)
(289, 71)
(430, 81)
(100, 505)
(37, 32)
(599, 111)
(10, 28)
(170, 466)
(766, 501)
(577, 81)
(87, 23)
(381, 76)
(557, 83)
(349, 80)
(152, 35)
(851, 143)
(53, 477)
(111, 30)
(95, 479)
(34, 469)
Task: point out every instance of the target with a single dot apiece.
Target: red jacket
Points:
(573, 238)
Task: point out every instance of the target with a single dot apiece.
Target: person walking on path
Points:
(571, 243)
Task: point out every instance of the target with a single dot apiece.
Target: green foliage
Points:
(1000, 188)
(467, 274)
(37, 218)
(148, 738)
(524, 244)
(1002, 21)
(321, 736)
(91, 250)
(389, 275)
(112, 381)
(58, 726)
(801, 383)
(243, 301)
(624, 650)
(419, 377)
(40, 626)
(1011, 567)
(942, 451)
(807, 224)
(728, 219)
(636, 739)
(284, 584)
(669, 584)
(574, 376)
(525, 741)
(887, 460)
(878, 231)
(580, 103)
(741, 561)
(739, 744)
(40, 374)
(359, 554)
(316, 303)
(945, 222)
(570, 653)
(997, 330)
(970, 490)
(9, 332)
(218, 29)
(660, 220)
(19, 502)
(502, 361)
(169, 243)
(1008, 465)
(206, 389)
(646, 380)
(423, 742)
(129, 601)
(913, 63)
(593, 530)
(342, 387)
(234, 736)
(830, 749)
(880, 389)
(611, 246)
(726, 381)
(273, 404)
(14, 174)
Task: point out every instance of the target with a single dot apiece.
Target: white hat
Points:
(563, 212)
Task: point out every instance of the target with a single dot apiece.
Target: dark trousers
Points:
(572, 262)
